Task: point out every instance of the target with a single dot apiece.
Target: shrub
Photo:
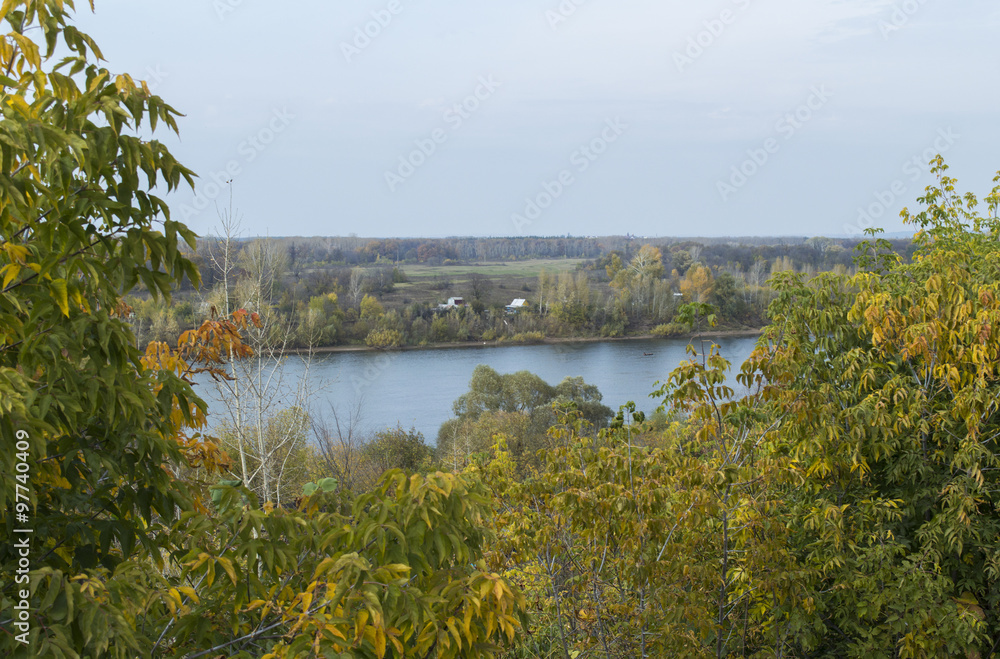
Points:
(528, 337)
(670, 329)
(384, 338)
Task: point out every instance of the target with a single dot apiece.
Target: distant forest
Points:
(330, 252)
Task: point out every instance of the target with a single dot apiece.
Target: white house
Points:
(517, 305)
(452, 303)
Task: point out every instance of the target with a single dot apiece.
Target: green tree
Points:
(371, 309)
(518, 406)
(572, 300)
(888, 383)
(321, 322)
(397, 448)
(124, 554)
(511, 392)
(80, 228)
(584, 397)
(726, 299)
(681, 261)
(397, 572)
(675, 550)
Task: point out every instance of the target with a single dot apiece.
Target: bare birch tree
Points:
(269, 455)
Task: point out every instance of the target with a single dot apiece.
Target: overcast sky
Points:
(586, 117)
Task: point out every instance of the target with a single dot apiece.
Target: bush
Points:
(612, 330)
(527, 337)
(440, 283)
(671, 329)
(384, 338)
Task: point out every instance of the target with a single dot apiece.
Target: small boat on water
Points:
(648, 354)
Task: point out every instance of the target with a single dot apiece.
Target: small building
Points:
(517, 305)
(453, 303)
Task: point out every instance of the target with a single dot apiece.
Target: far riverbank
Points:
(720, 334)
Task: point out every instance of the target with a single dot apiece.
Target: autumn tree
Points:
(397, 448)
(667, 550)
(697, 284)
(79, 228)
(125, 556)
(635, 283)
(572, 300)
(888, 384)
(320, 322)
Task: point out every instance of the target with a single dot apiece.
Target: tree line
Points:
(311, 253)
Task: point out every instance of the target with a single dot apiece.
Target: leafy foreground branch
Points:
(127, 554)
(396, 572)
(846, 504)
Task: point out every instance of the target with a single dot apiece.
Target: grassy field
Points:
(513, 269)
(509, 280)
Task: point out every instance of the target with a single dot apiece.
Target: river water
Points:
(416, 388)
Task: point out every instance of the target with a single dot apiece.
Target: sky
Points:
(432, 118)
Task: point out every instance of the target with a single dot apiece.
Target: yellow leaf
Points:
(58, 293)
(189, 591)
(323, 567)
(227, 565)
(19, 104)
(172, 605)
(198, 562)
(359, 625)
(17, 253)
(490, 621)
(7, 6)
(10, 271)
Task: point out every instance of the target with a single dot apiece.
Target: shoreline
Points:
(720, 334)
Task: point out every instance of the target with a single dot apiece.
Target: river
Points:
(416, 388)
